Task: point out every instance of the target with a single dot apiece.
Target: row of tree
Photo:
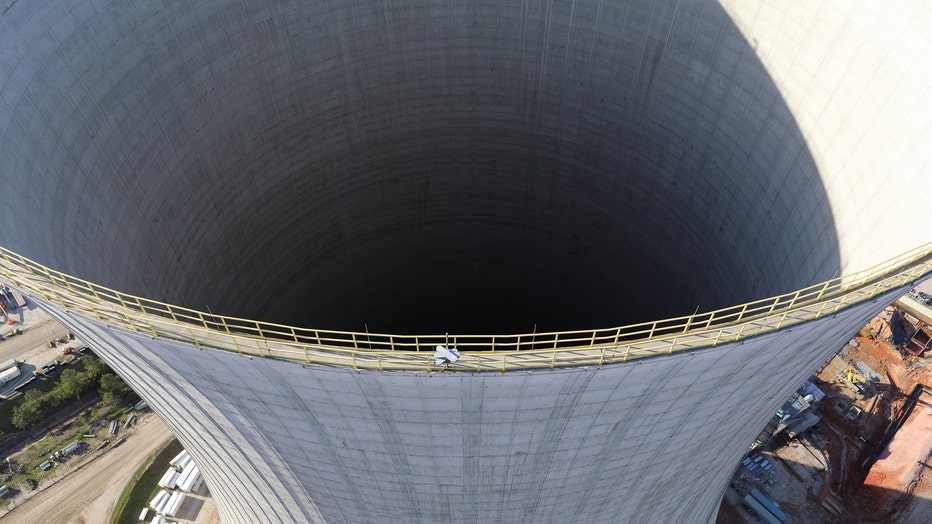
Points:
(36, 404)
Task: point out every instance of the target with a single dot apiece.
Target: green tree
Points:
(69, 385)
(36, 400)
(35, 397)
(112, 388)
(88, 381)
(25, 416)
(30, 411)
(94, 366)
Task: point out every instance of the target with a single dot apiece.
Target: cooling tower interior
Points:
(465, 167)
(414, 166)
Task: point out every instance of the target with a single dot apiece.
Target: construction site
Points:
(854, 444)
(72, 464)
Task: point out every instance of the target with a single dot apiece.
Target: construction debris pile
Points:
(855, 441)
(891, 326)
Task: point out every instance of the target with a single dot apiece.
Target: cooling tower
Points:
(252, 210)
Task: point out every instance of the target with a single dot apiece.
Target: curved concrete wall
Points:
(649, 441)
(416, 168)
(463, 167)
(856, 79)
(334, 161)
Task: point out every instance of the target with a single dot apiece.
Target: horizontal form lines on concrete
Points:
(479, 352)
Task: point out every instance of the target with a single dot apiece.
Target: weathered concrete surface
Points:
(417, 167)
(650, 441)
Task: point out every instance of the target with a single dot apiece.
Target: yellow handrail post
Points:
(821, 309)
(793, 300)
(94, 291)
(131, 322)
(740, 331)
(824, 289)
(25, 265)
(782, 318)
(741, 314)
(67, 282)
(841, 301)
(223, 320)
(96, 313)
(141, 307)
(773, 306)
(171, 312)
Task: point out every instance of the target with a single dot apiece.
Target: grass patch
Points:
(45, 447)
(76, 429)
(143, 486)
(118, 413)
(103, 411)
(33, 455)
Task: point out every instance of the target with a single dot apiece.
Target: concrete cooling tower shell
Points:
(194, 181)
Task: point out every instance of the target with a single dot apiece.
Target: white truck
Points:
(9, 370)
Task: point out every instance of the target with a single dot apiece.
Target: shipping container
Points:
(769, 504)
(759, 510)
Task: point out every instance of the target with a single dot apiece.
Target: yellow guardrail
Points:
(479, 352)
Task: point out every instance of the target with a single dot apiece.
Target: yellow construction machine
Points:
(851, 378)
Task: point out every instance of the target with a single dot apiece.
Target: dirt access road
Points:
(88, 495)
(34, 336)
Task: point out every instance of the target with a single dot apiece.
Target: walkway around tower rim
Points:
(479, 352)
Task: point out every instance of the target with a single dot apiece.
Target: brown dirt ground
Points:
(886, 488)
(897, 472)
(898, 489)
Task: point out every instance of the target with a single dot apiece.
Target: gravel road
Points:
(88, 495)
